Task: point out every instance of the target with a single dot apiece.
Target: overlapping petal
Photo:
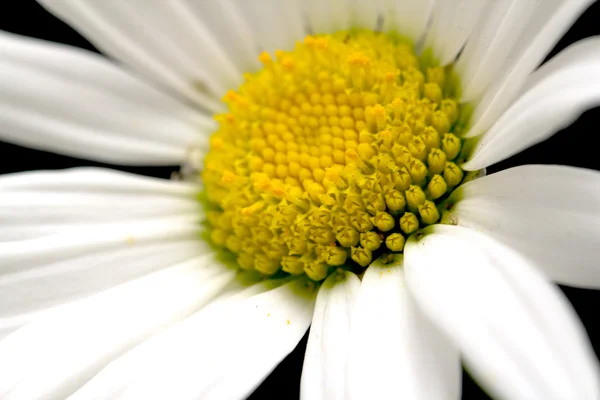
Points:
(550, 214)
(395, 351)
(518, 334)
(77, 103)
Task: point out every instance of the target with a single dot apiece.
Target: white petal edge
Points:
(407, 17)
(489, 43)
(549, 22)
(324, 373)
(555, 96)
(94, 180)
(232, 345)
(29, 294)
(78, 241)
(224, 19)
(550, 214)
(53, 356)
(395, 351)
(179, 52)
(328, 16)
(452, 23)
(35, 204)
(365, 13)
(77, 103)
(519, 336)
(276, 25)
(76, 261)
(173, 345)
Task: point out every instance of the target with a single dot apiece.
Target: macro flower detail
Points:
(332, 176)
(328, 151)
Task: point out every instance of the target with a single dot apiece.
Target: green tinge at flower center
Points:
(331, 155)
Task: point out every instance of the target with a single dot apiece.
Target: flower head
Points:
(331, 179)
(330, 142)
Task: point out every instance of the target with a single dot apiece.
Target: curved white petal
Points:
(550, 214)
(490, 42)
(328, 16)
(518, 334)
(365, 13)
(176, 345)
(87, 179)
(275, 24)
(35, 204)
(74, 102)
(163, 40)
(395, 351)
(227, 24)
(54, 355)
(407, 17)
(222, 352)
(26, 295)
(68, 234)
(554, 97)
(41, 273)
(324, 374)
(452, 23)
(550, 20)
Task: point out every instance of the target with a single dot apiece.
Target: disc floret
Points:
(331, 155)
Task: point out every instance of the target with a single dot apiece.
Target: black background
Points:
(572, 146)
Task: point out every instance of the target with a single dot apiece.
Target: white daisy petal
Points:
(35, 204)
(49, 271)
(366, 13)
(555, 95)
(224, 19)
(551, 214)
(489, 44)
(25, 296)
(41, 273)
(54, 355)
(550, 20)
(277, 25)
(452, 23)
(232, 345)
(174, 346)
(81, 227)
(407, 17)
(320, 15)
(91, 180)
(518, 334)
(395, 352)
(324, 374)
(178, 51)
(328, 16)
(74, 102)
(175, 343)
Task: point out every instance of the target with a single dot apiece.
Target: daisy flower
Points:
(333, 158)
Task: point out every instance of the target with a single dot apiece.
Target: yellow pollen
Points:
(358, 59)
(265, 58)
(331, 155)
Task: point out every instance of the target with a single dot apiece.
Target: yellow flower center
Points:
(331, 155)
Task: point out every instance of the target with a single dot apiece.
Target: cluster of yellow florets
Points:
(330, 155)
